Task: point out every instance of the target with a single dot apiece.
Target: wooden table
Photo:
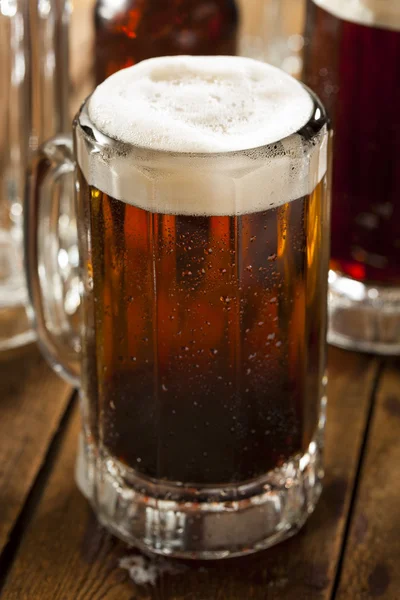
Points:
(52, 548)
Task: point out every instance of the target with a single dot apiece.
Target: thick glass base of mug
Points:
(208, 523)
(362, 316)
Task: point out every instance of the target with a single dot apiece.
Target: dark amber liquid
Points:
(355, 71)
(146, 28)
(205, 362)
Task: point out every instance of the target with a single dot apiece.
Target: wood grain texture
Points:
(372, 557)
(32, 403)
(66, 555)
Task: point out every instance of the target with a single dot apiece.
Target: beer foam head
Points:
(374, 13)
(200, 104)
(212, 136)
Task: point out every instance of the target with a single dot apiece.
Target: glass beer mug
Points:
(351, 60)
(203, 222)
(33, 107)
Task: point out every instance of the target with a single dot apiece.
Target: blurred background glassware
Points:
(273, 31)
(33, 107)
(128, 31)
(352, 57)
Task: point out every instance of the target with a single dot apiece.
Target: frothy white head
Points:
(202, 136)
(375, 13)
(200, 104)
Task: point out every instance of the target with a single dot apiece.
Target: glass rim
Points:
(310, 130)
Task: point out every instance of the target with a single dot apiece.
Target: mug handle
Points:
(51, 262)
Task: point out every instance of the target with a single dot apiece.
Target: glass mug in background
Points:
(203, 239)
(33, 107)
(351, 60)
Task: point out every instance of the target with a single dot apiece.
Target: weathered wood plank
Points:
(64, 554)
(32, 403)
(372, 556)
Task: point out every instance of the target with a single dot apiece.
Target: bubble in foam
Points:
(200, 104)
(375, 13)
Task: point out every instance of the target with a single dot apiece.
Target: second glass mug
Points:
(352, 49)
(202, 340)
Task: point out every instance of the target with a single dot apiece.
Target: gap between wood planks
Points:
(35, 494)
(363, 448)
